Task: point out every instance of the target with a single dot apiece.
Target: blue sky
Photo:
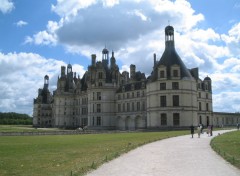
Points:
(37, 37)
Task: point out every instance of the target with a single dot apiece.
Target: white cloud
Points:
(21, 23)
(6, 6)
(203, 35)
(69, 8)
(125, 21)
(110, 3)
(46, 37)
(232, 40)
(226, 102)
(22, 75)
(125, 68)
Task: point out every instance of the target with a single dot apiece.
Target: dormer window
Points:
(162, 74)
(175, 73)
(123, 89)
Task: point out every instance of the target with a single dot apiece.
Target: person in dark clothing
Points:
(192, 130)
(211, 130)
(202, 128)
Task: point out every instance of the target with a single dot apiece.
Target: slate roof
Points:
(170, 58)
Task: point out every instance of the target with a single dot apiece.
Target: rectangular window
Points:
(133, 106)
(206, 95)
(200, 106)
(163, 119)
(138, 106)
(128, 107)
(93, 95)
(99, 119)
(123, 107)
(176, 119)
(175, 86)
(199, 94)
(98, 95)
(98, 107)
(119, 107)
(162, 86)
(143, 93)
(163, 101)
(84, 111)
(100, 75)
(162, 74)
(127, 95)
(132, 94)
(207, 107)
(100, 84)
(175, 100)
(143, 106)
(119, 97)
(175, 73)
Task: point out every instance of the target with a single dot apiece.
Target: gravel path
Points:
(178, 156)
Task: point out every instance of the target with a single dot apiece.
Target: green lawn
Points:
(228, 146)
(23, 128)
(62, 154)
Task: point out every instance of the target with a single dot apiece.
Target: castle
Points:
(171, 97)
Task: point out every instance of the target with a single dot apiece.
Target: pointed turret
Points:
(113, 60)
(171, 60)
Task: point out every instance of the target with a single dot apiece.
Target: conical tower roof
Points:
(170, 57)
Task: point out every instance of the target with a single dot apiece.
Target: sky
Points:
(38, 37)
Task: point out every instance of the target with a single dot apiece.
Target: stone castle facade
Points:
(171, 97)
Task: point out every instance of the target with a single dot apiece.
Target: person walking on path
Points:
(202, 128)
(211, 130)
(199, 131)
(192, 130)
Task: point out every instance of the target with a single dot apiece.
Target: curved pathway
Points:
(178, 156)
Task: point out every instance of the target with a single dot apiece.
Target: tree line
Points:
(12, 118)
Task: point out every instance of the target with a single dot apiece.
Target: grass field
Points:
(24, 128)
(60, 155)
(228, 146)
